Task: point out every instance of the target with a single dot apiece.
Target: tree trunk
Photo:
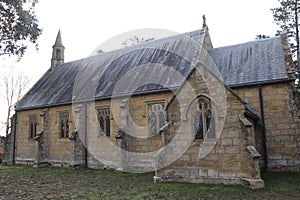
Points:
(7, 121)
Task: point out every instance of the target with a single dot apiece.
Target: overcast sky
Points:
(87, 24)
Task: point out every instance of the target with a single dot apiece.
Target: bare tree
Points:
(12, 87)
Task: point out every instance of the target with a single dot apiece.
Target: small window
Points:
(203, 119)
(64, 124)
(32, 126)
(157, 117)
(58, 52)
(103, 115)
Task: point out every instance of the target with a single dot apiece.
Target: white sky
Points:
(87, 24)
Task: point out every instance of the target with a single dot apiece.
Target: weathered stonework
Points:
(228, 162)
(281, 114)
(8, 156)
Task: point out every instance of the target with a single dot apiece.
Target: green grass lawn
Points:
(24, 182)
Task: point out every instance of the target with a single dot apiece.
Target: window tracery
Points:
(203, 119)
(103, 115)
(64, 124)
(157, 117)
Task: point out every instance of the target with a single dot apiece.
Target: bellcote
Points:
(204, 22)
(58, 51)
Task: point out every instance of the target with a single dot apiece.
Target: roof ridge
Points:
(245, 43)
(136, 46)
(152, 41)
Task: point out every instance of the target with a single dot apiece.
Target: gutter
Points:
(14, 142)
(85, 136)
(284, 80)
(264, 140)
(173, 89)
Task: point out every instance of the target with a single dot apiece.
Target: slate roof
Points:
(252, 62)
(153, 67)
(149, 67)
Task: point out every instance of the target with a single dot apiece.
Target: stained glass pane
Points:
(208, 119)
(34, 129)
(210, 125)
(31, 130)
(198, 125)
(67, 128)
(101, 122)
(62, 129)
(32, 126)
(107, 126)
(153, 128)
(64, 124)
(161, 119)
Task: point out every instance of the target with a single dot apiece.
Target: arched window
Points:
(203, 119)
(103, 115)
(32, 126)
(157, 117)
(64, 124)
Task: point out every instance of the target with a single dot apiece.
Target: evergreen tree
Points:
(286, 16)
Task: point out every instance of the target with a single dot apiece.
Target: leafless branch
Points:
(12, 88)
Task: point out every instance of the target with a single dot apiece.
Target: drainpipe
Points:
(14, 142)
(85, 136)
(264, 140)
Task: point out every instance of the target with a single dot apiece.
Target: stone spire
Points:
(58, 51)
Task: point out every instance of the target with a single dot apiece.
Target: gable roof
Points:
(150, 67)
(155, 66)
(252, 62)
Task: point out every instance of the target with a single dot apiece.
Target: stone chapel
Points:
(175, 106)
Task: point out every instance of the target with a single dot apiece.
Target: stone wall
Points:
(8, 158)
(25, 146)
(47, 146)
(8, 150)
(134, 127)
(224, 159)
(282, 123)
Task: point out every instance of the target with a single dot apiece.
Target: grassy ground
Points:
(24, 182)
